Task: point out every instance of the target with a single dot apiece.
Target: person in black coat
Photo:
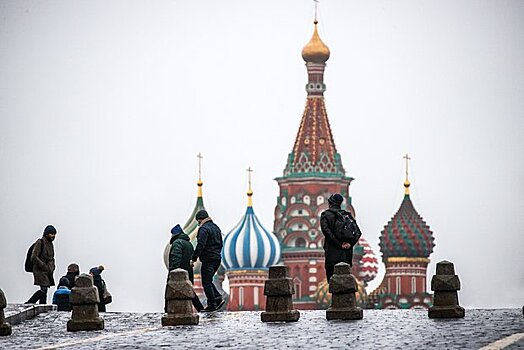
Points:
(335, 250)
(209, 251)
(100, 284)
(180, 257)
(73, 270)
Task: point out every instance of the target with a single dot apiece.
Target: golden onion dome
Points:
(315, 50)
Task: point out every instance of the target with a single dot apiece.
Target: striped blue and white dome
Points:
(249, 245)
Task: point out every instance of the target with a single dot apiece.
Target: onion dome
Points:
(368, 265)
(323, 297)
(315, 50)
(191, 226)
(406, 234)
(249, 245)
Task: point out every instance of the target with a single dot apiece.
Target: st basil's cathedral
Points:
(312, 173)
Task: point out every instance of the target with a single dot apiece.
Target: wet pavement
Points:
(380, 329)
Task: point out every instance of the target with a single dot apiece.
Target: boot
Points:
(35, 298)
(43, 297)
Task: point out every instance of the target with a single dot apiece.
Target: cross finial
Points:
(316, 10)
(407, 158)
(199, 156)
(407, 183)
(249, 191)
(249, 171)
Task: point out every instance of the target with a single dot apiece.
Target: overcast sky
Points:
(104, 106)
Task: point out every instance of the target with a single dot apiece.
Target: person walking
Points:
(73, 270)
(62, 295)
(336, 250)
(100, 284)
(209, 250)
(180, 257)
(43, 260)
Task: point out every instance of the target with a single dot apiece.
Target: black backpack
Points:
(346, 228)
(28, 265)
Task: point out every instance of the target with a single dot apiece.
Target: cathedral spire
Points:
(314, 152)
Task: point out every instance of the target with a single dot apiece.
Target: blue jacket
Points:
(62, 298)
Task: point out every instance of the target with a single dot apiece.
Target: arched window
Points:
(297, 283)
(284, 201)
(306, 200)
(413, 285)
(399, 291)
(240, 297)
(293, 199)
(320, 200)
(255, 296)
(300, 242)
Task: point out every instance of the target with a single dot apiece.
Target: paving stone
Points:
(84, 299)
(279, 291)
(179, 292)
(445, 284)
(343, 286)
(5, 328)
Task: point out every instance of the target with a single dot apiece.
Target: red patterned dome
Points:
(368, 264)
(406, 234)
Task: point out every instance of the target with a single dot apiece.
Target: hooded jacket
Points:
(43, 259)
(181, 253)
(209, 246)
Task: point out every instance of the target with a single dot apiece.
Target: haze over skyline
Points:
(104, 107)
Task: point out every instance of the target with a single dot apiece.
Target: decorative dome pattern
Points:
(406, 234)
(368, 265)
(323, 297)
(315, 50)
(249, 245)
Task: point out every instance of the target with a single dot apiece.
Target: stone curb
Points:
(28, 313)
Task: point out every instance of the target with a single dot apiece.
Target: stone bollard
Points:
(279, 303)
(445, 284)
(5, 328)
(85, 299)
(343, 287)
(179, 292)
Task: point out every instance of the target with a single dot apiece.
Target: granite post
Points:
(85, 299)
(343, 287)
(445, 284)
(279, 290)
(5, 328)
(179, 292)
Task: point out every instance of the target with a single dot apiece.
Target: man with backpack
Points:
(41, 262)
(341, 233)
(209, 251)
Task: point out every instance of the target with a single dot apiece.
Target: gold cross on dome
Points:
(407, 158)
(249, 171)
(199, 156)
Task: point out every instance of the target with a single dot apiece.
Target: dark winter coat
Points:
(209, 242)
(71, 278)
(43, 259)
(181, 253)
(101, 286)
(333, 250)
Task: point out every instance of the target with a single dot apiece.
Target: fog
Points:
(104, 106)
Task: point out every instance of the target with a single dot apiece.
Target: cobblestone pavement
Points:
(380, 329)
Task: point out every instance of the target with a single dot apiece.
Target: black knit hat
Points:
(336, 199)
(49, 230)
(201, 215)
